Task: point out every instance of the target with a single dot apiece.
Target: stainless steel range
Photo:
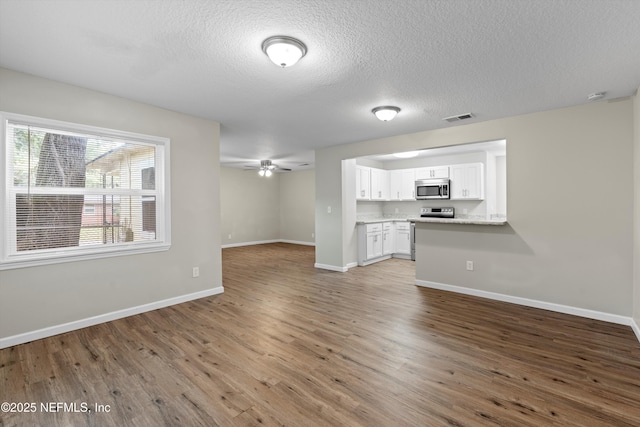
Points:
(437, 212)
(428, 213)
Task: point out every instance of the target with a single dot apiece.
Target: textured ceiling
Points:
(433, 59)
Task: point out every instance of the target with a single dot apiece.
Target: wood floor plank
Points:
(289, 344)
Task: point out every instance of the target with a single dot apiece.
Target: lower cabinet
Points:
(403, 238)
(374, 241)
(388, 238)
(382, 240)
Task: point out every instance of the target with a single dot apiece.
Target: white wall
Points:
(636, 215)
(257, 209)
(560, 246)
(297, 206)
(249, 206)
(41, 297)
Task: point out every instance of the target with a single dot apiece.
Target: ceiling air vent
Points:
(458, 117)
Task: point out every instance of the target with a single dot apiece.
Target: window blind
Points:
(71, 191)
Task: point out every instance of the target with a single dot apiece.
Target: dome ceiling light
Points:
(386, 112)
(284, 51)
(596, 96)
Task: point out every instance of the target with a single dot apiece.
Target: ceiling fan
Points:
(267, 168)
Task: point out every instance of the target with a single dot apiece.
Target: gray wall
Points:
(249, 206)
(256, 209)
(636, 239)
(560, 245)
(297, 206)
(45, 296)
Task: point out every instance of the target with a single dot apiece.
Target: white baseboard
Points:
(331, 267)
(259, 242)
(576, 311)
(262, 242)
(107, 317)
(297, 242)
(636, 328)
(352, 265)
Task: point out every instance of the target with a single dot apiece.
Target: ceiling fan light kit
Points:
(284, 51)
(386, 112)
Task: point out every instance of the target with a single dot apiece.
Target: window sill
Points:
(25, 262)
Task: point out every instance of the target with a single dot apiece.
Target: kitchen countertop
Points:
(476, 221)
(374, 220)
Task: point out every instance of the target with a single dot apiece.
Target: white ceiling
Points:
(433, 59)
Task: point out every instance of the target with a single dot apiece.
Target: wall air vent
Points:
(458, 117)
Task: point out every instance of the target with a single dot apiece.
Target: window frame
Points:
(10, 258)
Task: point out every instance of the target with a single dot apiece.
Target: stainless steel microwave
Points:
(432, 189)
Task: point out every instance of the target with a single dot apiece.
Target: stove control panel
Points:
(437, 212)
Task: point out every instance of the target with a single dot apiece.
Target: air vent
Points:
(458, 117)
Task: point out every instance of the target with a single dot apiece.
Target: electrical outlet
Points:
(469, 265)
(328, 209)
(313, 235)
(229, 236)
(196, 271)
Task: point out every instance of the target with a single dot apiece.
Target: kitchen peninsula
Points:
(466, 220)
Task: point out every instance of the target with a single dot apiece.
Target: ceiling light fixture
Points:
(266, 168)
(596, 96)
(386, 112)
(284, 51)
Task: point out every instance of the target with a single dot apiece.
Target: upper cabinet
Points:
(379, 184)
(402, 184)
(467, 181)
(432, 172)
(363, 183)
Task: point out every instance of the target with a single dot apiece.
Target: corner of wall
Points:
(636, 213)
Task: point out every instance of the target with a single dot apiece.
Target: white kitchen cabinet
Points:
(388, 238)
(432, 172)
(379, 184)
(369, 243)
(403, 238)
(402, 184)
(374, 245)
(363, 183)
(377, 242)
(467, 181)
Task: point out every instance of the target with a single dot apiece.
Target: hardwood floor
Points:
(287, 344)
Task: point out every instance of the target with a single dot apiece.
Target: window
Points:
(76, 192)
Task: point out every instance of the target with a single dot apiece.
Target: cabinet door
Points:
(422, 173)
(379, 184)
(467, 181)
(475, 181)
(403, 243)
(395, 184)
(408, 185)
(432, 172)
(440, 172)
(374, 245)
(388, 238)
(458, 182)
(363, 183)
